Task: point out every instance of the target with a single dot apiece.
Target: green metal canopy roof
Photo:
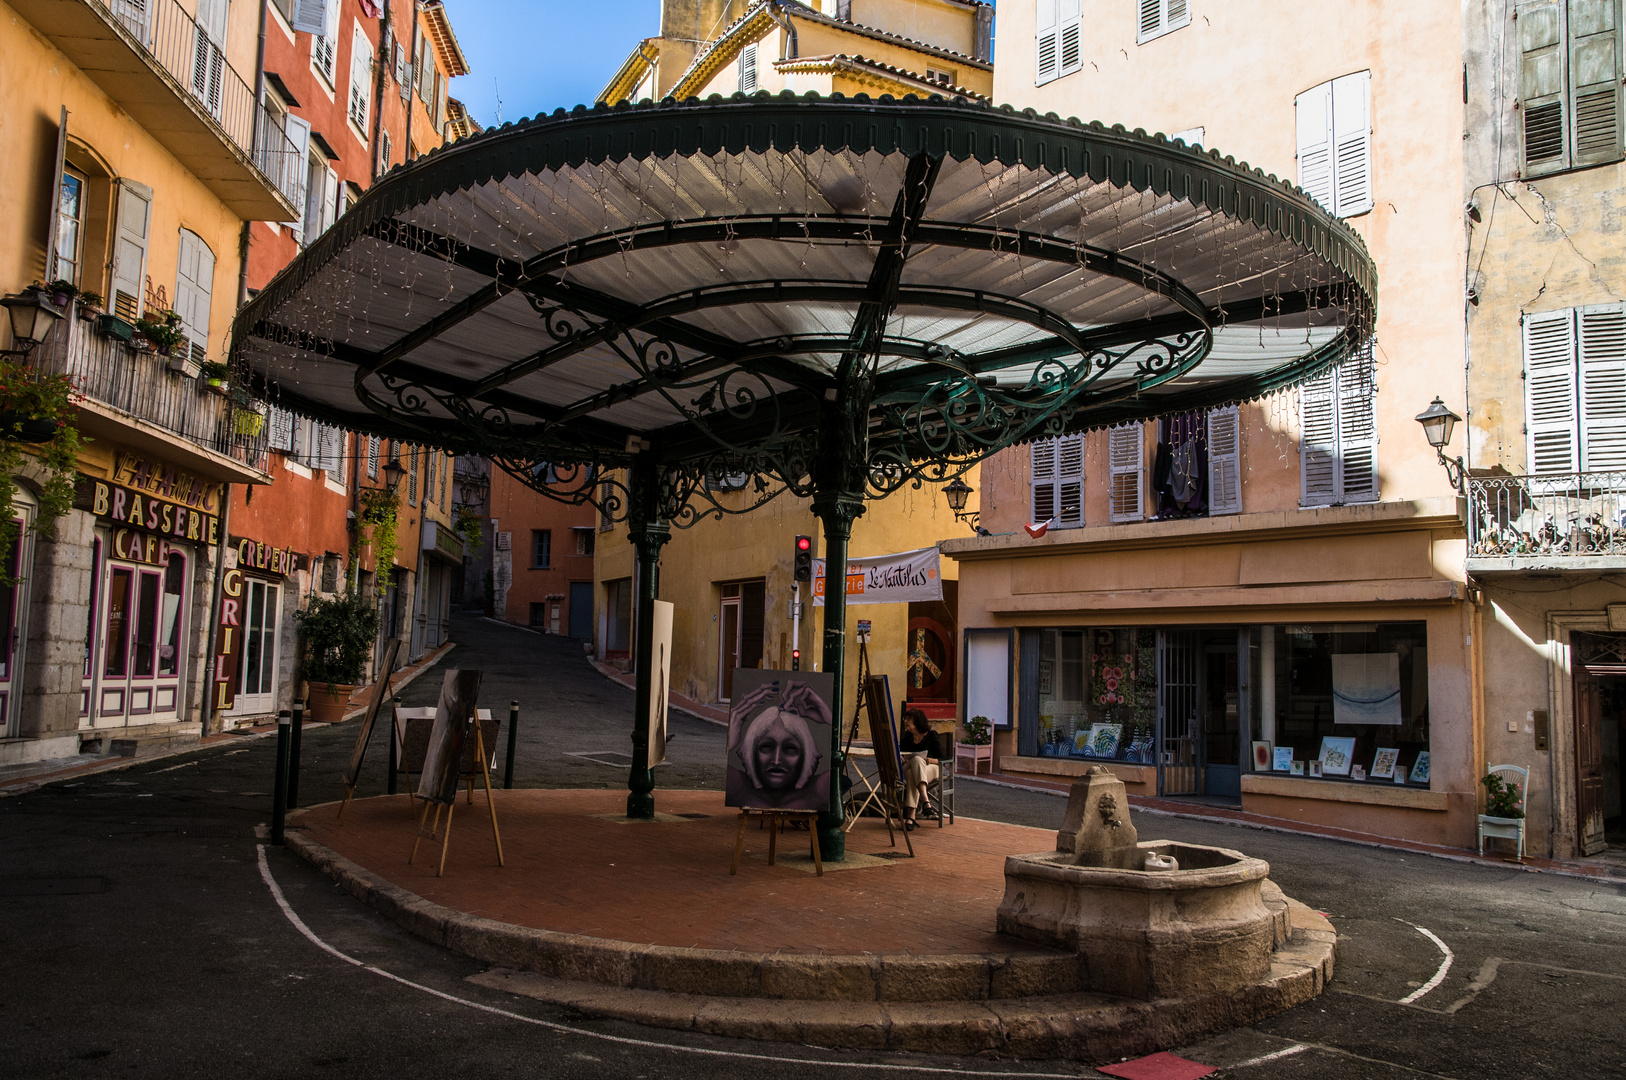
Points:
(707, 281)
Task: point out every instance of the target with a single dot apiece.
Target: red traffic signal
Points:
(804, 543)
(802, 564)
(796, 659)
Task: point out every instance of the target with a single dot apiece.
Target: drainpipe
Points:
(417, 81)
(385, 63)
(255, 138)
(792, 50)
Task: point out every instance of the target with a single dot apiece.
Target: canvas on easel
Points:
(353, 773)
(888, 761)
(455, 719)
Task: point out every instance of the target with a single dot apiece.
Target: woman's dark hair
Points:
(917, 718)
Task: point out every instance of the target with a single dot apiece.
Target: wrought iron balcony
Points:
(134, 391)
(1560, 518)
(169, 73)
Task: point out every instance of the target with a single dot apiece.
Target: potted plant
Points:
(1502, 799)
(62, 291)
(90, 305)
(339, 635)
(35, 408)
(978, 731)
(140, 343)
(214, 375)
(163, 331)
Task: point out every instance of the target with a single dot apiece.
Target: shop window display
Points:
(1098, 693)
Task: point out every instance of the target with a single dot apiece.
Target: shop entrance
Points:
(141, 631)
(1199, 711)
(1600, 710)
(262, 604)
(739, 634)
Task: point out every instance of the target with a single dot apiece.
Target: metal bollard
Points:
(279, 790)
(395, 763)
(297, 727)
(513, 734)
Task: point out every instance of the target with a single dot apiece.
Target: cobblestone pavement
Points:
(142, 937)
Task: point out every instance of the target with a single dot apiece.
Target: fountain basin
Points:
(1147, 934)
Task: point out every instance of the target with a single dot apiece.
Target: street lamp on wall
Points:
(956, 492)
(1438, 422)
(393, 472)
(32, 316)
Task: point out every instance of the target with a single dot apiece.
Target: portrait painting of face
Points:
(779, 726)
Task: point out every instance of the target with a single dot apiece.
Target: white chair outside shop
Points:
(1500, 828)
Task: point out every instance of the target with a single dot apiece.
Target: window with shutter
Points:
(1042, 480)
(209, 56)
(361, 79)
(1313, 115)
(136, 15)
(1126, 460)
(1069, 38)
(1334, 125)
(1338, 435)
(1224, 461)
(1047, 25)
(372, 457)
(425, 70)
(324, 453)
(321, 198)
(1154, 18)
(1550, 392)
(412, 477)
(194, 284)
(748, 69)
(280, 430)
(1601, 340)
(311, 17)
(324, 47)
(1069, 481)
(1569, 83)
(130, 249)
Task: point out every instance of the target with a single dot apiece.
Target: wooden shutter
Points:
(1594, 80)
(1550, 392)
(281, 430)
(1069, 38)
(1601, 336)
(1126, 458)
(748, 69)
(130, 249)
(1541, 86)
(53, 208)
(1069, 481)
(1313, 111)
(320, 201)
(1357, 431)
(341, 455)
(292, 164)
(209, 58)
(1046, 22)
(194, 283)
(361, 70)
(1224, 461)
(1042, 480)
(311, 17)
(1318, 439)
(372, 457)
(1352, 144)
(412, 477)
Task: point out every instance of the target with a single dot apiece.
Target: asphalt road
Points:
(141, 935)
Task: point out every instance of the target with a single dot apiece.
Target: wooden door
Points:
(1589, 762)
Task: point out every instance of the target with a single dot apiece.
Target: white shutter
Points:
(1541, 87)
(748, 69)
(290, 164)
(130, 249)
(323, 458)
(1313, 110)
(1154, 18)
(1601, 332)
(1069, 481)
(1046, 22)
(1318, 439)
(1042, 480)
(281, 430)
(1069, 38)
(1352, 144)
(320, 201)
(1357, 431)
(1594, 80)
(1550, 392)
(136, 15)
(209, 58)
(361, 70)
(311, 17)
(341, 456)
(372, 457)
(1224, 461)
(1126, 459)
(194, 282)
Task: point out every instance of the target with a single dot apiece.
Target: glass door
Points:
(1179, 716)
(1222, 713)
(141, 642)
(257, 682)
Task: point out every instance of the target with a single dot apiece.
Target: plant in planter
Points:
(1502, 799)
(380, 511)
(214, 375)
(978, 731)
(62, 291)
(37, 409)
(162, 333)
(90, 305)
(339, 635)
(469, 525)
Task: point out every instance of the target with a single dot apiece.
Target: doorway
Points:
(1201, 700)
(739, 631)
(1600, 711)
(581, 609)
(257, 688)
(141, 634)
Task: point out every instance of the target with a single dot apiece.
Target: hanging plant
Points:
(29, 402)
(380, 508)
(469, 525)
(163, 330)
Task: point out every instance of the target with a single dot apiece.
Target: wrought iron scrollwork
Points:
(573, 483)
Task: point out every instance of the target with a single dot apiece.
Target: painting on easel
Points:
(779, 728)
(455, 725)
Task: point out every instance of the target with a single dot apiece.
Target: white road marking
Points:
(310, 935)
(183, 765)
(1445, 965)
(1288, 1052)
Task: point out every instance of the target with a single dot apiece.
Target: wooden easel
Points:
(457, 697)
(774, 818)
(368, 719)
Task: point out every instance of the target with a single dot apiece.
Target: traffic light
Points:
(804, 559)
(796, 659)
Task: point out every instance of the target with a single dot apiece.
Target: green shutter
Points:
(1542, 87)
(1594, 76)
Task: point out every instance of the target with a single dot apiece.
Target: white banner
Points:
(887, 579)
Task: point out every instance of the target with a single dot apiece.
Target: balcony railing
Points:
(141, 384)
(1573, 515)
(173, 38)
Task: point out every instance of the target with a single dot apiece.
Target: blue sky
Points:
(540, 55)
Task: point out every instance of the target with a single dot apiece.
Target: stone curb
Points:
(1028, 1007)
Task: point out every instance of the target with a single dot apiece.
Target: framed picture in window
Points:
(1284, 759)
(1261, 757)
(1421, 768)
(1383, 763)
(1337, 755)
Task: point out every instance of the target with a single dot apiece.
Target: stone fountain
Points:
(1149, 919)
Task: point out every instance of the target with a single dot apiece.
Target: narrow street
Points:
(138, 902)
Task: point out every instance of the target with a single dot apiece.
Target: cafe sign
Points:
(149, 512)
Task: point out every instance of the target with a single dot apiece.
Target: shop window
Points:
(144, 650)
(541, 549)
(1096, 693)
(115, 648)
(1345, 701)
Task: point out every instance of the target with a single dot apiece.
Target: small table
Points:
(965, 751)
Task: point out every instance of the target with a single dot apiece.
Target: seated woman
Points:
(921, 752)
